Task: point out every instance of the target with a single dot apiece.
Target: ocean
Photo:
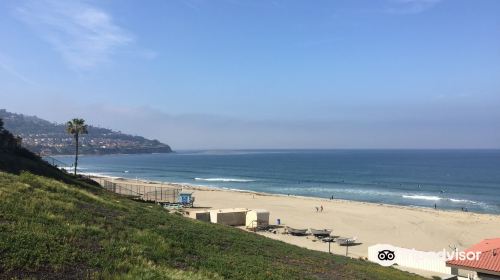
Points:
(447, 179)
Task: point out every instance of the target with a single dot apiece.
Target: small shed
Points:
(229, 217)
(257, 218)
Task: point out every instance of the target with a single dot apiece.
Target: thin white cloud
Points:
(8, 68)
(84, 35)
(411, 6)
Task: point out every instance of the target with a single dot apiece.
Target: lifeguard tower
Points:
(186, 198)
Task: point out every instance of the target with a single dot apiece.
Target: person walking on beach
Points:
(435, 206)
(321, 208)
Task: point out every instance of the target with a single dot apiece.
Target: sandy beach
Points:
(420, 228)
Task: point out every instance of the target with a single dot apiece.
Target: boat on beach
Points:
(296, 231)
(346, 241)
(320, 232)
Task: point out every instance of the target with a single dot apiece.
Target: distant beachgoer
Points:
(435, 206)
(317, 209)
(321, 209)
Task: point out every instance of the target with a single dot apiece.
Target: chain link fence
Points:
(144, 191)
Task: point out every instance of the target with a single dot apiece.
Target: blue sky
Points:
(261, 74)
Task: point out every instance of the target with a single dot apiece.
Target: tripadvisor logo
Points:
(383, 254)
(387, 255)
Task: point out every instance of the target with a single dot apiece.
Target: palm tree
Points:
(76, 127)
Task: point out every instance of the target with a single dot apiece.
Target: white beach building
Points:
(257, 218)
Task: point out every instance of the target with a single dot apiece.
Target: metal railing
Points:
(55, 162)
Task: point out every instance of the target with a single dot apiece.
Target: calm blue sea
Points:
(451, 179)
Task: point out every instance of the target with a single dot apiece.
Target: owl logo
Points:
(386, 255)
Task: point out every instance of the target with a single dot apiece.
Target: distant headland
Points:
(48, 138)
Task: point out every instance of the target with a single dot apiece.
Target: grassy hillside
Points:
(56, 226)
(55, 230)
(18, 160)
(14, 158)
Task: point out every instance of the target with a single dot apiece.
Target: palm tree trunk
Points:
(76, 152)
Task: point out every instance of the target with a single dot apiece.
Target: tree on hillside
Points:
(3, 135)
(76, 127)
(8, 140)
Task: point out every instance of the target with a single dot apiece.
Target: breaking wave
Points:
(423, 197)
(437, 198)
(224, 180)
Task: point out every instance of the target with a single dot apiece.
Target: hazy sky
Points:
(261, 74)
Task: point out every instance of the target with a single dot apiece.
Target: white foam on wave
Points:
(463, 201)
(423, 197)
(324, 190)
(215, 187)
(437, 198)
(224, 180)
(70, 168)
(93, 174)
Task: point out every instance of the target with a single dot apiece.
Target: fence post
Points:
(156, 195)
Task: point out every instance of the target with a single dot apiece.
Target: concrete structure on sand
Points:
(229, 217)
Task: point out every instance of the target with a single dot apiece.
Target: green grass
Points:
(58, 230)
(56, 226)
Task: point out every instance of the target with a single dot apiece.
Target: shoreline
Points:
(111, 154)
(217, 188)
(420, 228)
